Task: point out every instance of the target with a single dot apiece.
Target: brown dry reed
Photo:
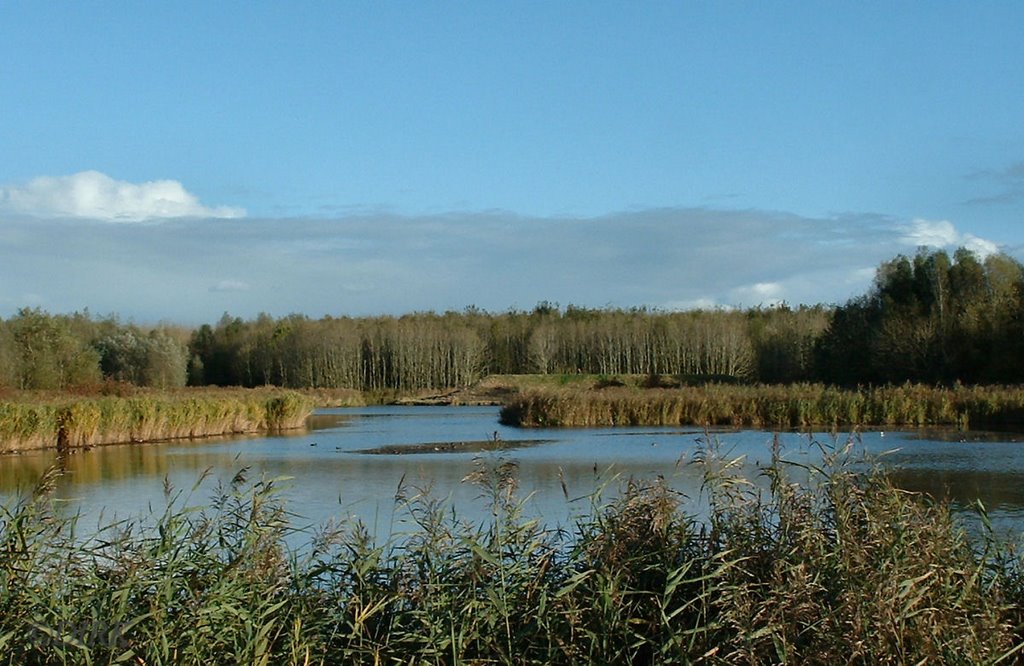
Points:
(79, 421)
(840, 568)
(795, 406)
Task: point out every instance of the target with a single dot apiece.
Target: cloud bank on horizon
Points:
(63, 250)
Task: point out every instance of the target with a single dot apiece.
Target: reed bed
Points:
(842, 568)
(794, 406)
(89, 420)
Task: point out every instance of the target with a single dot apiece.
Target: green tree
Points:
(166, 360)
(8, 358)
(931, 319)
(49, 356)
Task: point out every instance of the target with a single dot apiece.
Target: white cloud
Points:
(861, 275)
(91, 194)
(942, 234)
(926, 233)
(979, 246)
(766, 289)
(760, 293)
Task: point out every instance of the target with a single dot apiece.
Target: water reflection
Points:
(332, 475)
(999, 491)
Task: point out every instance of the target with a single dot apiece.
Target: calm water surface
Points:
(351, 463)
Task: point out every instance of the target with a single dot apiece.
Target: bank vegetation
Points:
(70, 421)
(610, 402)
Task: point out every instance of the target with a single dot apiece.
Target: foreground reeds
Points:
(77, 421)
(840, 569)
(770, 406)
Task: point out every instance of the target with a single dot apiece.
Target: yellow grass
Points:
(36, 421)
(769, 406)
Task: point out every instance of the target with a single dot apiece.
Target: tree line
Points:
(929, 318)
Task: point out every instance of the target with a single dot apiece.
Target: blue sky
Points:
(177, 161)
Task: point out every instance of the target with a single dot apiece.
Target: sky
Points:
(176, 161)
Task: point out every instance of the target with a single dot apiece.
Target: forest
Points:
(930, 318)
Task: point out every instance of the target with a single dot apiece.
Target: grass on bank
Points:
(767, 406)
(36, 421)
(843, 569)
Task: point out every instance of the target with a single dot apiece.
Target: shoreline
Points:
(123, 414)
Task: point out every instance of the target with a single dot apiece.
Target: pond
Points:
(352, 463)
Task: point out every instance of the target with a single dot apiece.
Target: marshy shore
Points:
(39, 420)
(615, 401)
(67, 421)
